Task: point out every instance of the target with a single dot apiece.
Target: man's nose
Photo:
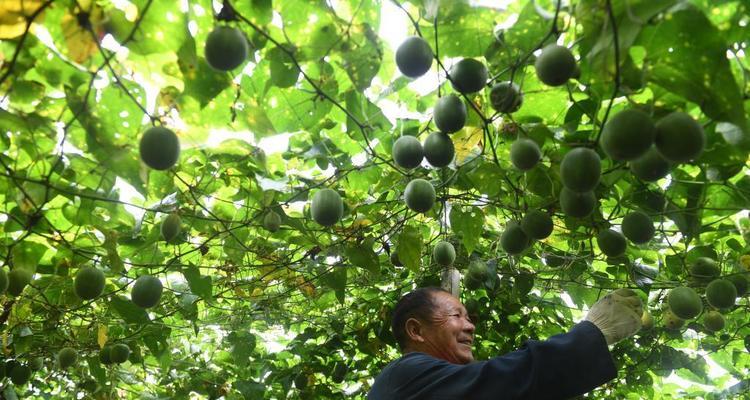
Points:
(469, 327)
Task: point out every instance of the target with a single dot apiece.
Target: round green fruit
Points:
(679, 138)
(638, 227)
(555, 65)
(537, 224)
(449, 114)
(704, 269)
(611, 243)
(226, 48)
(414, 57)
(105, 355)
(36, 363)
(66, 357)
(650, 166)
(407, 152)
(581, 169)
(721, 293)
(18, 278)
(89, 283)
(146, 291)
(672, 321)
(439, 150)
(478, 270)
(20, 375)
(684, 302)
(628, 135)
(506, 97)
(444, 254)
(272, 221)
(339, 372)
(3, 280)
(472, 283)
(326, 207)
(577, 204)
(468, 75)
(713, 321)
(159, 148)
(171, 227)
(525, 154)
(740, 283)
(394, 259)
(514, 239)
(419, 195)
(119, 353)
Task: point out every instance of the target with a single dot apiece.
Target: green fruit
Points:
(628, 135)
(580, 169)
(555, 65)
(66, 357)
(105, 355)
(472, 307)
(146, 291)
(414, 57)
(339, 372)
(449, 114)
(394, 259)
(468, 76)
(18, 278)
(679, 138)
(514, 239)
(478, 270)
(20, 374)
(651, 166)
(119, 353)
(3, 370)
(611, 243)
(301, 381)
(684, 302)
(226, 48)
(740, 283)
(3, 281)
(721, 293)
(439, 150)
(713, 321)
(704, 269)
(326, 207)
(160, 148)
(171, 227)
(472, 283)
(672, 321)
(638, 227)
(444, 254)
(525, 154)
(89, 283)
(36, 363)
(537, 224)
(506, 97)
(272, 221)
(577, 205)
(419, 195)
(407, 152)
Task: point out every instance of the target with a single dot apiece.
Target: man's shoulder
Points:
(398, 370)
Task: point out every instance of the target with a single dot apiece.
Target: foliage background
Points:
(303, 312)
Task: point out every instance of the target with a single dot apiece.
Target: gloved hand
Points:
(617, 315)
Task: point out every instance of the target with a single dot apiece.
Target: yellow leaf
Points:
(80, 41)
(101, 336)
(13, 15)
(6, 350)
(468, 142)
(745, 261)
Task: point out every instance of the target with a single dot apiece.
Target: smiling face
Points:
(448, 335)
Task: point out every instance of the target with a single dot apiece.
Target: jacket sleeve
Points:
(563, 366)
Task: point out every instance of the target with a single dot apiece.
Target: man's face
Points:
(450, 334)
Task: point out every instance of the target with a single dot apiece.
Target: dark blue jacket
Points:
(563, 366)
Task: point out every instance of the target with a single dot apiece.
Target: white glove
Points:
(617, 315)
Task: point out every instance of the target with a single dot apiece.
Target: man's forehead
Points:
(446, 301)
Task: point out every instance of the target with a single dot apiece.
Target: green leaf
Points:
(362, 255)
(199, 284)
(409, 248)
(128, 311)
(469, 224)
(243, 344)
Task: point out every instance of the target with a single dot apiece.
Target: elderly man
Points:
(435, 335)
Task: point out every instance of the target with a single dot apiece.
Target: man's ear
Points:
(415, 330)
